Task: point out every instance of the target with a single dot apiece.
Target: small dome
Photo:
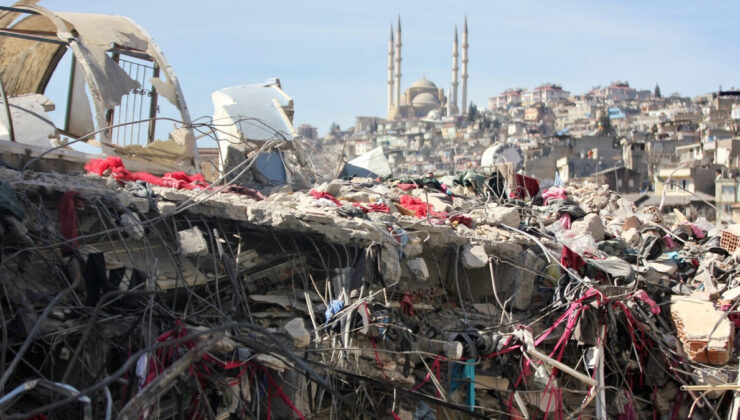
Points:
(424, 99)
(424, 84)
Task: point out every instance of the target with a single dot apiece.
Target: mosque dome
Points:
(424, 99)
(423, 83)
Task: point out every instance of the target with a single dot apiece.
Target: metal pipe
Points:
(18, 10)
(563, 367)
(31, 37)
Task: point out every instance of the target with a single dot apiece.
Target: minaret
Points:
(397, 87)
(390, 73)
(464, 76)
(452, 100)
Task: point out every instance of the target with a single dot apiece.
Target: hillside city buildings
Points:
(638, 141)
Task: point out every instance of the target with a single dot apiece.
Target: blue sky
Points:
(331, 55)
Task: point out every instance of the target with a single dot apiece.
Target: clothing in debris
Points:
(68, 219)
(114, 166)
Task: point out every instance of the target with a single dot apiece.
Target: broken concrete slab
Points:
(524, 285)
(140, 204)
(192, 242)
(418, 268)
(474, 256)
(592, 225)
(165, 208)
(706, 334)
(508, 216)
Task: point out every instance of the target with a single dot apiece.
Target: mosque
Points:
(423, 97)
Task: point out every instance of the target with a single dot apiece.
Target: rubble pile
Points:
(411, 298)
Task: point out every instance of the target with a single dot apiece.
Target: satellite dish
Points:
(502, 153)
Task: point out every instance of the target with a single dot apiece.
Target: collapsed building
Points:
(131, 291)
(116, 79)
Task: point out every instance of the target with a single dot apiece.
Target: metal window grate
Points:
(137, 105)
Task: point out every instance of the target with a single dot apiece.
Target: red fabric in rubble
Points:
(114, 164)
(643, 296)
(371, 207)
(323, 194)
(407, 187)
(242, 190)
(407, 305)
(565, 220)
(419, 207)
(571, 260)
(463, 220)
(554, 193)
(68, 219)
(525, 187)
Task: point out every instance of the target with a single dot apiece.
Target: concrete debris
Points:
(192, 242)
(474, 256)
(132, 225)
(631, 236)
(296, 328)
(258, 291)
(382, 287)
(165, 208)
(141, 204)
(706, 333)
(525, 284)
(508, 216)
(419, 268)
(591, 225)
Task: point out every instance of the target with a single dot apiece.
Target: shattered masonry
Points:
(132, 286)
(356, 298)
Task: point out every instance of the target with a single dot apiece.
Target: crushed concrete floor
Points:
(359, 299)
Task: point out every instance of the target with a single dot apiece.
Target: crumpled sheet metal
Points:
(97, 33)
(95, 36)
(253, 112)
(27, 66)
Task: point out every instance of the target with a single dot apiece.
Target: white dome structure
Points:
(424, 99)
(423, 83)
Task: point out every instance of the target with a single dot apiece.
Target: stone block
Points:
(141, 204)
(192, 242)
(591, 225)
(124, 197)
(508, 216)
(474, 256)
(296, 329)
(413, 249)
(418, 268)
(165, 207)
